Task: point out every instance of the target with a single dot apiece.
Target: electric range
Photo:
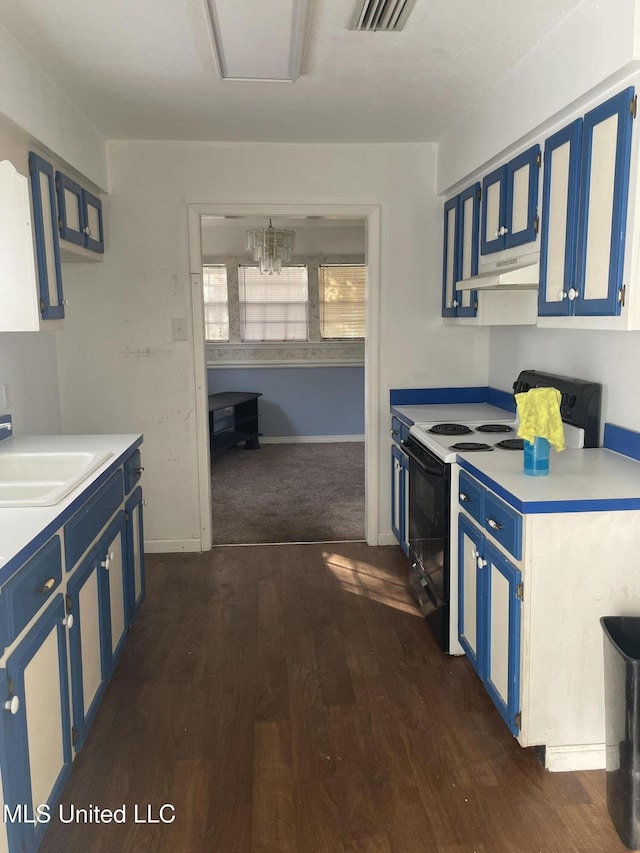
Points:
(433, 447)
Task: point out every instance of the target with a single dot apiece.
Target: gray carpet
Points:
(288, 493)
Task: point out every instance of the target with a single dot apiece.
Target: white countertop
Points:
(578, 480)
(20, 525)
(453, 412)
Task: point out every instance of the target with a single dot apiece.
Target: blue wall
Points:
(300, 401)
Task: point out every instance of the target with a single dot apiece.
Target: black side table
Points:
(235, 426)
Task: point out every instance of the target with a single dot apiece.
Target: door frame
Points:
(371, 216)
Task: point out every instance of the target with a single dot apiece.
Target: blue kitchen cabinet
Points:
(489, 617)
(510, 203)
(36, 728)
(602, 215)
(79, 215)
(87, 605)
(47, 245)
(135, 553)
(399, 495)
(560, 194)
(585, 195)
(460, 252)
(112, 555)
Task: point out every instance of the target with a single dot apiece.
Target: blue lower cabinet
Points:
(112, 557)
(36, 728)
(87, 604)
(135, 554)
(489, 618)
(502, 608)
(399, 502)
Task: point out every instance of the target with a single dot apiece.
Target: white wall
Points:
(596, 42)
(33, 102)
(611, 358)
(120, 370)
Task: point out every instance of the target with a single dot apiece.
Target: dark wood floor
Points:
(289, 699)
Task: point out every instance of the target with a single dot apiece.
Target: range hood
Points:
(519, 273)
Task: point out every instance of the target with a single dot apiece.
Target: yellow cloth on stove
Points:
(539, 411)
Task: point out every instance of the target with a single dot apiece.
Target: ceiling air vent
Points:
(381, 15)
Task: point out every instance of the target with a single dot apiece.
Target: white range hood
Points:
(518, 273)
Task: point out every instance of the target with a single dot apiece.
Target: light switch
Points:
(179, 329)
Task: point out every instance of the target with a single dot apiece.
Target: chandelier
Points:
(271, 247)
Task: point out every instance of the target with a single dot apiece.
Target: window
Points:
(342, 300)
(216, 302)
(273, 307)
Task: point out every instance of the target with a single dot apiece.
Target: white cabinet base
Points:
(559, 759)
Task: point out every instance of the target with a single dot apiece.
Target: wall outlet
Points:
(4, 397)
(179, 329)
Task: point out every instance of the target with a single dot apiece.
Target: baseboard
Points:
(171, 546)
(587, 756)
(308, 439)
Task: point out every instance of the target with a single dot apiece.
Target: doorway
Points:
(369, 217)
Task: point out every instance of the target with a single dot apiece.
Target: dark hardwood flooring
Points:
(289, 699)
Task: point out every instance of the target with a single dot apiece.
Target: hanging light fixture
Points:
(271, 247)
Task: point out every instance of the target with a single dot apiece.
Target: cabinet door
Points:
(45, 223)
(604, 184)
(397, 493)
(470, 592)
(70, 210)
(135, 554)
(93, 227)
(469, 239)
(521, 201)
(493, 211)
(87, 639)
(502, 648)
(38, 734)
(450, 256)
(561, 186)
(404, 505)
(113, 577)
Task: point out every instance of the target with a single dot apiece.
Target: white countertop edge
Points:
(21, 527)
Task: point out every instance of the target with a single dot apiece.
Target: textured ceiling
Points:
(145, 69)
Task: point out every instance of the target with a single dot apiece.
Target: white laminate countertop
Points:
(19, 526)
(453, 412)
(578, 480)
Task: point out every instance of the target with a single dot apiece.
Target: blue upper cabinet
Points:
(79, 215)
(460, 251)
(46, 238)
(584, 209)
(510, 202)
(602, 217)
(560, 194)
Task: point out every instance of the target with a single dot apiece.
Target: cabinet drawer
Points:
(471, 497)
(85, 525)
(503, 523)
(132, 471)
(399, 431)
(32, 586)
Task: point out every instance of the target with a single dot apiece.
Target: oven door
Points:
(429, 502)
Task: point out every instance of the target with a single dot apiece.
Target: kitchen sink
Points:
(44, 478)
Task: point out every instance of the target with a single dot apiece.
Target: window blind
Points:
(216, 302)
(342, 300)
(273, 307)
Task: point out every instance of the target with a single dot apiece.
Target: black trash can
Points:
(622, 712)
